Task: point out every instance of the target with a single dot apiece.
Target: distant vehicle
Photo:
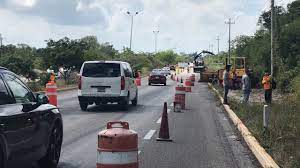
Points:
(166, 71)
(102, 82)
(157, 78)
(30, 128)
(156, 70)
(166, 68)
(172, 68)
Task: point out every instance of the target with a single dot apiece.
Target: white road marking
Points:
(149, 134)
(158, 121)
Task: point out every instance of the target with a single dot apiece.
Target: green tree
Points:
(19, 59)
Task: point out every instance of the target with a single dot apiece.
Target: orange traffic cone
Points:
(164, 127)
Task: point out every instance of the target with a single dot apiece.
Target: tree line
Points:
(257, 48)
(71, 53)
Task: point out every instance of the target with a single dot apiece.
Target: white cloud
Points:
(23, 3)
(188, 25)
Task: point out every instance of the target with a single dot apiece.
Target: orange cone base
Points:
(166, 140)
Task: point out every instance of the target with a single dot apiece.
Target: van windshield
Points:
(101, 70)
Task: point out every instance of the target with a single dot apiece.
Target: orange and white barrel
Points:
(188, 82)
(180, 96)
(117, 146)
(51, 93)
(138, 82)
(188, 89)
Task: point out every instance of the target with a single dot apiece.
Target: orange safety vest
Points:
(266, 82)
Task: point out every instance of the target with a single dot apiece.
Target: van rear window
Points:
(101, 70)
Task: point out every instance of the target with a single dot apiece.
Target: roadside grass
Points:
(282, 138)
(37, 86)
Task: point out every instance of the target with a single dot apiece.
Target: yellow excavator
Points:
(238, 68)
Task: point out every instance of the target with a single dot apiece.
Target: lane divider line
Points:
(158, 121)
(149, 134)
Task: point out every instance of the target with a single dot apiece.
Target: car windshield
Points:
(101, 70)
(156, 73)
(156, 70)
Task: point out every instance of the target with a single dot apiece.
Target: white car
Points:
(102, 82)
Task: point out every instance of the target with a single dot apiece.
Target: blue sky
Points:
(184, 25)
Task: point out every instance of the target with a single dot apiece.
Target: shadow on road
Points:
(66, 165)
(108, 108)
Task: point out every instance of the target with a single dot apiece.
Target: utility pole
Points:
(229, 38)
(155, 39)
(272, 36)
(131, 15)
(218, 39)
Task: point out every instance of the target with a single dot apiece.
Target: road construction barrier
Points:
(193, 78)
(192, 83)
(117, 146)
(188, 89)
(180, 96)
(51, 93)
(164, 126)
(188, 82)
(138, 81)
(177, 107)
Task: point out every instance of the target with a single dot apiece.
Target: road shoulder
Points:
(202, 137)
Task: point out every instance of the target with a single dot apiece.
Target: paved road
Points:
(81, 129)
(202, 137)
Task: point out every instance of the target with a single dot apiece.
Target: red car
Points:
(157, 78)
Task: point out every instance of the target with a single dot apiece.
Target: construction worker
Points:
(226, 83)
(246, 86)
(267, 87)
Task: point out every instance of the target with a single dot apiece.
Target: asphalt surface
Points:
(201, 136)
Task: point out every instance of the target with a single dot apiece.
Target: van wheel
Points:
(51, 159)
(135, 100)
(83, 106)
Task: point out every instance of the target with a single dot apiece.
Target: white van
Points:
(102, 82)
